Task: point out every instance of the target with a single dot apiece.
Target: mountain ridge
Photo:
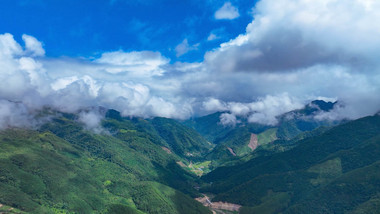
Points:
(136, 165)
(291, 175)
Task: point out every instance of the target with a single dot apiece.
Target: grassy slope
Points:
(63, 168)
(267, 136)
(295, 181)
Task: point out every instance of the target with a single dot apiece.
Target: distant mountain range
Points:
(303, 164)
(232, 142)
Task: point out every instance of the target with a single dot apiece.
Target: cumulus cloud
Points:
(292, 53)
(33, 46)
(227, 119)
(308, 49)
(212, 104)
(184, 47)
(125, 81)
(8, 46)
(264, 110)
(297, 34)
(227, 11)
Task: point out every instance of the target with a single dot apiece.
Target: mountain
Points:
(232, 142)
(160, 165)
(334, 172)
(127, 168)
(298, 121)
(184, 141)
(209, 126)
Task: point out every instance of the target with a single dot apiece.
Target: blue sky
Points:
(182, 59)
(88, 28)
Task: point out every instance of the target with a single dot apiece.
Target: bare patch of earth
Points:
(231, 151)
(218, 207)
(181, 164)
(167, 150)
(253, 142)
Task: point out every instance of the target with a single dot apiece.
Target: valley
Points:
(160, 165)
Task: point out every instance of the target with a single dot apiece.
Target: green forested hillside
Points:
(335, 172)
(232, 140)
(182, 140)
(231, 147)
(63, 168)
(209, 126)
(135, 165)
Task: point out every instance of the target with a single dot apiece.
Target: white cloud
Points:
(13, 114)
(140, 63)
(227, 119)
(33, 46)
(291, 35)
(63, 82)
(308, 49)
(32, 82)
(264, 110)
(92, 120)
(217, 34)
(212, 37)
(292, 52)
(18, 115)
(8, 46)
(212, 104)
(185, 47)
(227, 11)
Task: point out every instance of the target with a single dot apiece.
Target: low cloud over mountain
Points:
(291, 53)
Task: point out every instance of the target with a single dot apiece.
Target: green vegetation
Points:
(63, 168)
(182, 140)
(271, 203)
(335, 172)
(200, 168)
(231, 141)
(327, 171)
(9, 209)
(209, 126)
(237, 140)
(267, 136)
(154, 166)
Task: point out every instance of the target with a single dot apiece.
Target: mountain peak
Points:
(323, 105)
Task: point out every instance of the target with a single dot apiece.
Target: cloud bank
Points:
(287, 35)
(291, 53)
